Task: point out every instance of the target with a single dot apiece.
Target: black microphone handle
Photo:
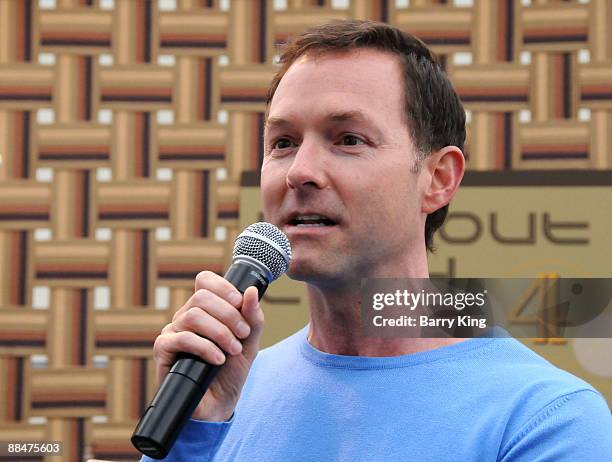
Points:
(185, 385)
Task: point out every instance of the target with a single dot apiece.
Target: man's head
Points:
(380, 90)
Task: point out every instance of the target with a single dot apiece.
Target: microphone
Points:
(262, 253)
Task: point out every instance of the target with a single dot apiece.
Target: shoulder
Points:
(573, 426)
(530, 373)
(273, 366)
(285, 351)
(549, 407)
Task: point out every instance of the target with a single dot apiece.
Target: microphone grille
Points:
(267, 244)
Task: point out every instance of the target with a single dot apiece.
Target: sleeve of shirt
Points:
(576, 426)
(199, 441)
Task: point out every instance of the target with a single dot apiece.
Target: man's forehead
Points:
(359, 66)
(348, 115)
(369, 54)
(361, 85)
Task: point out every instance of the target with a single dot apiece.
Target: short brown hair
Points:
(434, 113)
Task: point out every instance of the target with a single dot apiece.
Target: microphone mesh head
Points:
(267, 244)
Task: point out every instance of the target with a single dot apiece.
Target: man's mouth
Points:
(311, 221)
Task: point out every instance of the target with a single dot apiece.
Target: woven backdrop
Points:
(130, 140)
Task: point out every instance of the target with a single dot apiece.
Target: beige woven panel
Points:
(129, 128)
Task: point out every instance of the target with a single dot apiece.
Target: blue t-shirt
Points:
(484, 399)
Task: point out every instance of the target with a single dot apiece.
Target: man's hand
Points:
(217, 313)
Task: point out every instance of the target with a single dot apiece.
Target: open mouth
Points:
(311, 221)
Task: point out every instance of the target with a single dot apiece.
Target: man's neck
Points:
(335, 324)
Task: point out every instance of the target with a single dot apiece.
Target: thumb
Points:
(252, 312)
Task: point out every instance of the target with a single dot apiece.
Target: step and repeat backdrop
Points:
(130, 144)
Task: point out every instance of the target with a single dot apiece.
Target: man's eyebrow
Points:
(275, 122)
(348, 116)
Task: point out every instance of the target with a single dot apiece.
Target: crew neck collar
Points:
(456, 350)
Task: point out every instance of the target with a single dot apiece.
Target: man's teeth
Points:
(312, 220)
(311, 217)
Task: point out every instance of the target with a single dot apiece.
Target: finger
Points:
(167, 346)
(252, 312)
(218, 285)
(219, 309)
(168, 328)
(199, 321)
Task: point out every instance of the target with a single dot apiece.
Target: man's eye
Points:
(351, 140)
(281, 143)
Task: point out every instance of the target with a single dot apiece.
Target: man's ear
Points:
(443, 172)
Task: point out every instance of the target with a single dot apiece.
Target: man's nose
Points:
(308, 167)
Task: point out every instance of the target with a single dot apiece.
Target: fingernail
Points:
(235, 298)
(243, 329)
(235, 347)
(220, 357)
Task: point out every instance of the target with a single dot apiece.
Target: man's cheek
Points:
(266, 201)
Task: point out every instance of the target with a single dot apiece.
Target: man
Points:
(363, 152)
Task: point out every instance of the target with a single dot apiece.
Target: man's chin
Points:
(306, 271)
(301, 273)
(320, 275)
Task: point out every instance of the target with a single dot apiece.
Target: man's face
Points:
(337, 146)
